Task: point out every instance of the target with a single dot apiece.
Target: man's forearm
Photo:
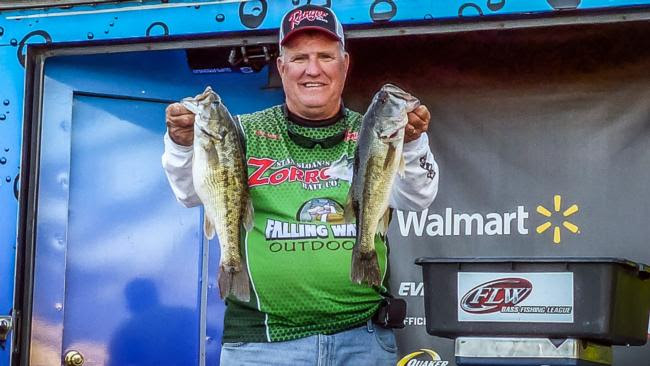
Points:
(177, 162)
(419, 186)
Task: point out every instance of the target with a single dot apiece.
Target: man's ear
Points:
(279, 62)
(346, 59)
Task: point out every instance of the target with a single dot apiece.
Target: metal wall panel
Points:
(120, 265)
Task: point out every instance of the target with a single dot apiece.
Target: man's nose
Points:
(313, 67)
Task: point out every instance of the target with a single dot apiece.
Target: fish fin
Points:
(233, 281)
(249, 214)
(208, 227)
(212, 152)
(382, 226)
(340, 169)
(390, 155)
(349, 212)
(365, 267)
(401, 170)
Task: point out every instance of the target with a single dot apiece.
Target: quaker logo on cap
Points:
(312, 17)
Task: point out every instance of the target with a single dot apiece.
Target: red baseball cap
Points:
(312, 17)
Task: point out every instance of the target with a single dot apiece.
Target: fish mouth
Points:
(390, 136)
(203, 131)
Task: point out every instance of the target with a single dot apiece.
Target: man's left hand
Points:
(418, 123)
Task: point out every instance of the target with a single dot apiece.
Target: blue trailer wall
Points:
(160, 20)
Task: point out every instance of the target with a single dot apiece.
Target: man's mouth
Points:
(312, 85)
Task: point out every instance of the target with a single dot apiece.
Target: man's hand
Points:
(180, 124)
(418, 123)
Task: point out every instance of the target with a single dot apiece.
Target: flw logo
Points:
(491, 297)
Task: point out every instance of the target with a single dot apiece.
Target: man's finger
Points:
(185, 120)
(416, 121)
(423, 112)
(177, 109)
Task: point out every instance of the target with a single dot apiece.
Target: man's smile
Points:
(313, 84)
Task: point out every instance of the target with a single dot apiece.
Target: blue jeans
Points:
(365, 345)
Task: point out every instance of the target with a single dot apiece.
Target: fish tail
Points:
(365, 267)
(234, 282)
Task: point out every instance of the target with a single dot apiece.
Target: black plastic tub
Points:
(606, 300)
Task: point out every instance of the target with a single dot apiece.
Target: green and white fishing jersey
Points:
(298, 253)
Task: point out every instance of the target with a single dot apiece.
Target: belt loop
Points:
(370, 326)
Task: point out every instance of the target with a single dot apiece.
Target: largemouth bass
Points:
(378, 158)
(221, 182)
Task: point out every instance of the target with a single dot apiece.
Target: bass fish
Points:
(378, 158)
(221, 182)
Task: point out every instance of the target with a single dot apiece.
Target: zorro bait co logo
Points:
(557, 207)
(450, 222)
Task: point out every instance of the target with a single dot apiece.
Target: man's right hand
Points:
(180, 124)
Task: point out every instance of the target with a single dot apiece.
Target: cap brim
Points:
(298, 30)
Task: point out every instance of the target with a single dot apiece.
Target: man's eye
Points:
(299, 59)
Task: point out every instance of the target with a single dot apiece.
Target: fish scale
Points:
(220, 180)
(378, 159)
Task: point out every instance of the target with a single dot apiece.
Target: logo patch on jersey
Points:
(321, 210)
(351, 135)
(268, 135)
(267, 171)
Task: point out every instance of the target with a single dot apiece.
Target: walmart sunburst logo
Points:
(557, 208)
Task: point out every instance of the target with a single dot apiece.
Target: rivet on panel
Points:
(8, 179)
(58, 306)
(3, 117)
(62, 179)
(13, 42)
(3, 160)
(5, 102)
(2, 31)
(90, 35)
(220, 17)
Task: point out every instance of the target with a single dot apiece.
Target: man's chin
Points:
(315, 111)
(314, 104)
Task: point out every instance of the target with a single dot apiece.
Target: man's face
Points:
(313, 70)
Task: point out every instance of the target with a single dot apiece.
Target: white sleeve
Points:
(177, 162)
(419, 186)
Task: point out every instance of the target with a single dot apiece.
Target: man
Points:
(304, 310)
